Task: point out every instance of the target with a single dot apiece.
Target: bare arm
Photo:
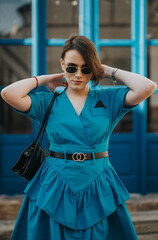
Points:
(140, 86)
(16, 94)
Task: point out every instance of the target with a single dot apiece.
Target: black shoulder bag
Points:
(33, 156)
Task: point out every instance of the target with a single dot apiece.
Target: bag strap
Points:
(44, 123)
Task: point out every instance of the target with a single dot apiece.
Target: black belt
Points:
(79, 157)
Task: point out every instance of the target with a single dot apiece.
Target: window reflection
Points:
(53, 59)
(152, 102)
(152, 19)
(13, 123)
(15, 64)
(152, 63)
(112, 56)
(62, 18)
(115, 18)
(15, 19)
(152, 116)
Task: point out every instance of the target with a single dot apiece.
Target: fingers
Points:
(62, 75)
(56, 80)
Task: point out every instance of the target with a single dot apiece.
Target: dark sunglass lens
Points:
(86, 70)
(71, 69)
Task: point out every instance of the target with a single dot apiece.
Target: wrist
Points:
(39, 80)
(107, 71)
(42, 79)
(36, 79)
(113, 75)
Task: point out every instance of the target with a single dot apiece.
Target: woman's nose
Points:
(78, 72)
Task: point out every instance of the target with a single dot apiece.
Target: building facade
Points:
(32, 34)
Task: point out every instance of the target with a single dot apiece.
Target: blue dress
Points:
(69, 200)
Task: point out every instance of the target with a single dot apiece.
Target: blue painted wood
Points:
(137, 150)
(86, 18)
(122, 151)
(56, 42)
(134, 53)
(38, 37)
(12, 185)
(96, 34)
(152, 169)
(13, 145)
(152, 42)
(152, 162)
(26, 41)
(11, 148)
(39, 66)
(156, 91)
(81, 17)
(152, 137)
(115, 42)
(140, 66)
(134, 16)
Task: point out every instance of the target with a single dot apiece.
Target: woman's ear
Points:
(62, 64)
(93, 78)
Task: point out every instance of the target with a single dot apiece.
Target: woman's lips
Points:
(77, 82)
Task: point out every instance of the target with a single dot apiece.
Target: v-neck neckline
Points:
(73, 106)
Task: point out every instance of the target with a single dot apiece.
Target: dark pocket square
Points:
(99, 104)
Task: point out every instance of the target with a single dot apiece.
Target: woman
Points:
(76, 193)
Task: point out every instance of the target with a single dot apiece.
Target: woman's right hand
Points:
(55, 80)
(16, 94)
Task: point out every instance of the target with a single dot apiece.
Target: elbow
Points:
(3, 94)
(149, 90)
(155, 86)
(6, 95)
(152, 87)
(149, 87)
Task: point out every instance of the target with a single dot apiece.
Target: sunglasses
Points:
(73, 69)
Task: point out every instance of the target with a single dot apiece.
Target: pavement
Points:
(143, 211)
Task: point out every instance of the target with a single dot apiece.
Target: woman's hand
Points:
(140, 86)
(16, 94)
(107, 71)
(55, 80)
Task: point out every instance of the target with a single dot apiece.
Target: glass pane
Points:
(15, 19)
(15, 64)
(125, 124)
(152, 102)
(12, 122)
(53, 59)
(152, 63)
(152, 19)
(112, 56)
(115, 19)
(152, 113)
(59, 24)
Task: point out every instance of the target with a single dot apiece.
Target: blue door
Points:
(32, 34)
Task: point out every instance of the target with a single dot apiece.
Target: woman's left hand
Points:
(140, 86)
(107, 71)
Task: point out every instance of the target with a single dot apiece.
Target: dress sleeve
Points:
(116, 97)
(39, 105)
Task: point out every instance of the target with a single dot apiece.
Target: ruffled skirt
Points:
(75, 200)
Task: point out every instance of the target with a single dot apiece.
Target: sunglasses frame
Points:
(76, 68)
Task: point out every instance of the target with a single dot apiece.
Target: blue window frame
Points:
(134, 145)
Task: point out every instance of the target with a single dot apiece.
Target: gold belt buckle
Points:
(79, 157)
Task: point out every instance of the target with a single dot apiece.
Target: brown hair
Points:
(89, 53)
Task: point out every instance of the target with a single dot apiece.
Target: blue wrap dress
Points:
(69, 200)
